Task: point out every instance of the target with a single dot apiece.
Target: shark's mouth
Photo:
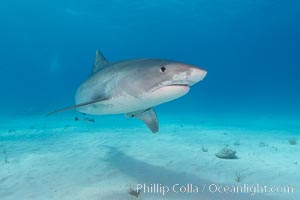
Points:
(168, 92)
(172, 85)
(178, 84)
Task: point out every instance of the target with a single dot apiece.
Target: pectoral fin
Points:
(77, 106)
(148, 117)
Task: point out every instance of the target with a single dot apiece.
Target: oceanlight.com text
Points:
(254, 189)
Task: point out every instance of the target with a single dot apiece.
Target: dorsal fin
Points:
(99, 62)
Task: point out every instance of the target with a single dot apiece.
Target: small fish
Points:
(89, 120)
(12, 130)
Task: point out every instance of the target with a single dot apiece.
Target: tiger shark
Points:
(134, 87)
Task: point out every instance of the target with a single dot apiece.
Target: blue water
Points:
(249, 48)
(249, 100)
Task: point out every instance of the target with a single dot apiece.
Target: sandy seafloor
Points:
(60, 158)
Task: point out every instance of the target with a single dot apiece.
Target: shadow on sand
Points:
(147, 173)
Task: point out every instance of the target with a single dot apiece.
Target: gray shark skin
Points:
(134, 87)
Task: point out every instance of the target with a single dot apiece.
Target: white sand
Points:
(49, 160)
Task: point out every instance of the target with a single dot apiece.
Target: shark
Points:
(134, 87)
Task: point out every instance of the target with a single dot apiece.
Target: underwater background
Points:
(249, 48)
(249, 97)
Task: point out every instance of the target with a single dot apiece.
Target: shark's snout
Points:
(196, 75)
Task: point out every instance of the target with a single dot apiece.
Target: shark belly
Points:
(126, 103)
(115, 105)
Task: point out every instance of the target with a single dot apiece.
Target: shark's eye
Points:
(163, 69)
